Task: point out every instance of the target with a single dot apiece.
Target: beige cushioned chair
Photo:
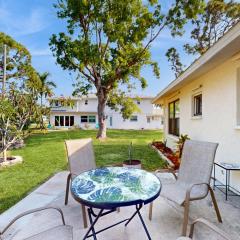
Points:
(193, 180)
(80, 159)
(221, 235)
(63, 232)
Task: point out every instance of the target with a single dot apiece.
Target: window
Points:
(71, 121)
(238, 96)
(86, 102)
(197, 105)
(148, 119)
(57, 121)
(138, 102)
(173, 123)
(66, 120)
(92, 119)
(61, 121)
(111, 121)
(84, 119)
(133, 118)
(88, 119)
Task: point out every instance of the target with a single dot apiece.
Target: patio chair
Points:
(80, 159)
(63, 232)
(193, 180)
(209, 225)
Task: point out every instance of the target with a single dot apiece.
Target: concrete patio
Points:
(166, 223)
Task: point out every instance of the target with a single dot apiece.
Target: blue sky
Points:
(32, 22)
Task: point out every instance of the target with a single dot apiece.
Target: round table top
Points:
(113, 187)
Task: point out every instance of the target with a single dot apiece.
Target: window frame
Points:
(134, 118)
(148, 119)
(173, 123)
(57, 121)
(93, 117)
(87, 118)
(84, 116)
(196, 108)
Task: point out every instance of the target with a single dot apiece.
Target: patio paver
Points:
(166, 223)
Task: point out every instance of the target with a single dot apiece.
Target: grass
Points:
(44, 155)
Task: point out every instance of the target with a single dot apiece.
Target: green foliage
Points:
(174, 59)
(180, 143)
(108, 42)
(18, 103)
(216, 19)
(118, 101)
(46, 86)
(18, 58)
(63, 101)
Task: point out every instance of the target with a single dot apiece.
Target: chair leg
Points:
(67, 188)
(85, 223)
(215, 205)
(150, 211)
(186, 217)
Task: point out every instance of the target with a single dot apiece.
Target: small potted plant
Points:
(132, 163)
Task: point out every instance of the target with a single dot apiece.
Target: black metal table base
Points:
(225, 188)
(93, 233)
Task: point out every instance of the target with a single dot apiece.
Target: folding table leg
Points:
(144, 225)
(138, 208)
(91, 222)
(91, 228)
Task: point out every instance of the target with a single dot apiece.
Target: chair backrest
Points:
(80, 155)
(197, 162)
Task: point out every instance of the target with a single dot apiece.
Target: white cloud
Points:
(26, 24)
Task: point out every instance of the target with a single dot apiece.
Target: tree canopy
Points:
(108, 42)
(218, 17)
(19, 99)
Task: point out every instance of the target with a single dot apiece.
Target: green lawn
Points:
(45, 155)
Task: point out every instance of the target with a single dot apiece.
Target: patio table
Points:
(228, 167)
(109, 188)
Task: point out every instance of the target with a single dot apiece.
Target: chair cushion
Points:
(63, 232)
(176, 192)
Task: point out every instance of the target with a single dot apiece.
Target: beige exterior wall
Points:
(219, 113)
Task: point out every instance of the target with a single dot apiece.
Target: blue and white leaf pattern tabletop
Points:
(115, 185)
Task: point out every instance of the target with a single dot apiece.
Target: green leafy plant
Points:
(130, 153)
(180, 143)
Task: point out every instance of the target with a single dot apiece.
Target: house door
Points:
(110, 121)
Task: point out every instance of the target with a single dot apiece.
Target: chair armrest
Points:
(30, 212)
(167, 170)
(188, 193)
(209, 225)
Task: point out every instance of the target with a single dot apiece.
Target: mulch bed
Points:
(168, 152)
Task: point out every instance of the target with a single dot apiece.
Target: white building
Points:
(204, 102)
(83, 114)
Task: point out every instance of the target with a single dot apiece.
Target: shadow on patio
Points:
(166, 223)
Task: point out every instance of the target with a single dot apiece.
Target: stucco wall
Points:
(80, 108)
(219, 120)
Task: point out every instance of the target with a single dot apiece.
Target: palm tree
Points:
(45, 89)
(46, 86)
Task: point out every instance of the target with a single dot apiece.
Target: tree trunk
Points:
(4, 151)
(102, 130)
